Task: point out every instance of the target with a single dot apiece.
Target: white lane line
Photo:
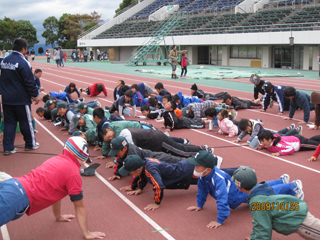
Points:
(119, 194)
(263, 153)
(4, 232)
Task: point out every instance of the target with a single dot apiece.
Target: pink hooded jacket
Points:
(286, 146)
(227, 126)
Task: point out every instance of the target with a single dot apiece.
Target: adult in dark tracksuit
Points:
(120, 148)
(160, 174)
(1, 58)
(298, 100)
(17, 86)
(157, 141)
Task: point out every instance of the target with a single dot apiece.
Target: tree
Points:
(62, 38)
(74, 25)
(27, 31)
(50, 25)
(89, 25)
(96, 17)
(5, 32)
(124, 4)
(40, 50)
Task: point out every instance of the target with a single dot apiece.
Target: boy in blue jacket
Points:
(283, 213)
(117, 92)
(184, 100)
(298, 100)
(137, 96)
(218, 184)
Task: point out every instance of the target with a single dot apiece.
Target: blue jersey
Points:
(219, 185)
(186, 100)
(17, 83)
(59, 96)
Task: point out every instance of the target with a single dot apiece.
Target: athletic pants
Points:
(12, 115)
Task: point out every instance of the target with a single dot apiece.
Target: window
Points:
(252, 52)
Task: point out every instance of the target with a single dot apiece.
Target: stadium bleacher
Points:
(205, 20)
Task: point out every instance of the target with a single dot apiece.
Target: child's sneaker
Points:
(299, 130)
(292, 126)
(235, 114)
(204, 147)
(80, 90)
(187, 142)
(7, 153)
(167, 133)
(211, 150)
(81, 99)
(33, 148)
(60, 91)
(285, 178)
(298, 190)
(98, 103)
(219, 161)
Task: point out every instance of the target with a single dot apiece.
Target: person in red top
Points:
(95, 90)
(184, 64)
(315, 155)
(46, 185)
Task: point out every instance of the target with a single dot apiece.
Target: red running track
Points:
(108, 212)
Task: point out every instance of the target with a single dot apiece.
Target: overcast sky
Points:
(36, 11)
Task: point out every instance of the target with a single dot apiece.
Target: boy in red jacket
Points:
(95, 90)
(184, 64)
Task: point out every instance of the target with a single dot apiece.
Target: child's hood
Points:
(262, 188)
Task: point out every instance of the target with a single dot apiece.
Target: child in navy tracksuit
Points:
(71, 88)
(275, 93)
(117, 92)
(298, 100)
(184, 64)
(171, 120)
(219, 185)
(161, 90)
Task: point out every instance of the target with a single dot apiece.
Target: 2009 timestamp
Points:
(279, 206)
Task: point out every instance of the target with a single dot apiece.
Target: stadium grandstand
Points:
(256, 33)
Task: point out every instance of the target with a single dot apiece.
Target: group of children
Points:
(152, 156)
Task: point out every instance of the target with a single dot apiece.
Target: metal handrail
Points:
(92, 28)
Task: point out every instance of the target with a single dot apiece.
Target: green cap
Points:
(80, 105)
(76, 134)
(62, 105)
(245, 177)
(185, 111)
(54, 114)
(203, 158)
(76, 118)
(49, 102)
(130, 164)
(117, 144)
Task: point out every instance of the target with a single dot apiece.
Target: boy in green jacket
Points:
(283, 213)
(87, 125)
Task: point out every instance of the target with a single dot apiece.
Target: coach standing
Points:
(18, 86)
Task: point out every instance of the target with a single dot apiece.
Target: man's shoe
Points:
(7, 153)
(33, 148)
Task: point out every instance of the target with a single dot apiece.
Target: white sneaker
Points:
(60, 91)
(80, 90)
(167, 133)
(33, 148)
(285, 178)
(298, 190)
(98, 103)
(204, 147)
(299, 130)
(219, 161)
(292, 126)
(211, 150)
